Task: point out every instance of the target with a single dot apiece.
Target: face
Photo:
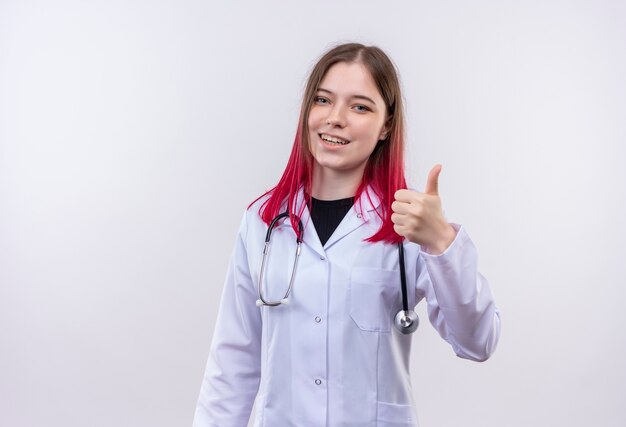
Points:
(346, 121)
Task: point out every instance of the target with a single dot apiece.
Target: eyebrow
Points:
(363, 97)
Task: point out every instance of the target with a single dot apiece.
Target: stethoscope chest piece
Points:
(406, 321)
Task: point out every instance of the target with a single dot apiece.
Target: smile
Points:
(333, 139)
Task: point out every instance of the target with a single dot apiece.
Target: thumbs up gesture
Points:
(419, 218)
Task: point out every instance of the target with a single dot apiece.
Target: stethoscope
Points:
(406, 321)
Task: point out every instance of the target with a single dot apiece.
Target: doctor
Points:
(330, 355)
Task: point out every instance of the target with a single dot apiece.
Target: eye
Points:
(361, 108)
(321, 100)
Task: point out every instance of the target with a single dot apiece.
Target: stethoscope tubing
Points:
(406, 321)
(262, 301)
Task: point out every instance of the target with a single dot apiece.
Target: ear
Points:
(386, 129)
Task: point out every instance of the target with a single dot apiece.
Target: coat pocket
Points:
(374, 294)
(394, 415)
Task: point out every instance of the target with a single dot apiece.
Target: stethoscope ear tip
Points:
(259, 303)
(284, 301)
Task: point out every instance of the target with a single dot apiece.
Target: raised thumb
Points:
(432, 184)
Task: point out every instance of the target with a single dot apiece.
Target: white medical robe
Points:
(332, 356)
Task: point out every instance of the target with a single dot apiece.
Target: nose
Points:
(336, 116)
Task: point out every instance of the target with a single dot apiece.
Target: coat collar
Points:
(361, 213)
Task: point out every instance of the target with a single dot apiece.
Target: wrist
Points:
(440, 245)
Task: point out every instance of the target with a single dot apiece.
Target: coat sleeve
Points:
(233, 370)
(460, 303)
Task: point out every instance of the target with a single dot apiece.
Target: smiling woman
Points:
(315, 338)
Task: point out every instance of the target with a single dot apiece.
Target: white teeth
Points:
(333, 140)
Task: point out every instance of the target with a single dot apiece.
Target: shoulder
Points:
(254, 209)
(252, 214)
(257, 203)
(267, 205)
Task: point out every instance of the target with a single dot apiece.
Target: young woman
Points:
(317, 329)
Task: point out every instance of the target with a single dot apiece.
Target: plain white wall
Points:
(134, 133)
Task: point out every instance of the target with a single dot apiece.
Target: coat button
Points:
(359, 215)
(318, 381)
(318, 319)
(322, 258)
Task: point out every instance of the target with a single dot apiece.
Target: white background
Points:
(133, 134)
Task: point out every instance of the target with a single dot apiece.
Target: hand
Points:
(419, 218)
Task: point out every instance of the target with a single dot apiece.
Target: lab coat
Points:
(332, 356)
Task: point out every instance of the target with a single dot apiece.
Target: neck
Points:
(334, 185)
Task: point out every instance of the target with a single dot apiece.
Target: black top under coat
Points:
(327, 214)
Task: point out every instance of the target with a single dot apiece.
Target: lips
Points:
(333, 139)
